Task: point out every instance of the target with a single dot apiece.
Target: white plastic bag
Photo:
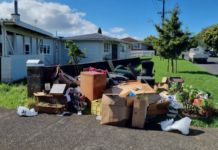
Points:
(23, 111)
(181, 125)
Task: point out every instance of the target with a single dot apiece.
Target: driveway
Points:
(211, 66)
(85, 132)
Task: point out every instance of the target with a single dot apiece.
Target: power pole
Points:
(163, 12)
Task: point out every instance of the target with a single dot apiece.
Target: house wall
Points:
(143, 47)
(14, 67)
(93, 52)
(49, 58)
(10, 37)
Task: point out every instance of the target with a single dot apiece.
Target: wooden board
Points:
(42, 94)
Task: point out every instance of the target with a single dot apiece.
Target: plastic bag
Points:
(23, 111)
(181, 125)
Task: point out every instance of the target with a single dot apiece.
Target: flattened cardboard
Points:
(158, 105)
(153, 98)
(139, 113)
(162, 94)
(116, 115)
(161, 86)
(117, 100)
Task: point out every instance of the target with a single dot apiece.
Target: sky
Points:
(117, 18)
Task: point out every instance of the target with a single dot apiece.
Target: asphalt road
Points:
(85, 132)
(211, 65)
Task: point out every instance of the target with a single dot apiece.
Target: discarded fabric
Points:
(181, 125)
(23, 111)
(131, 94)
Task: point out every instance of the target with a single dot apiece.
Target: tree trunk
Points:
(172, 71)
(160, 58)
(168, 65)
(176, 65)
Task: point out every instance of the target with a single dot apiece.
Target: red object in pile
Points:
(198, 101)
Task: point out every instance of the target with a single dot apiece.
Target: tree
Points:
(148, 40)
(99, 30)
(172, 40)
(211, 37)
(75, 52)
(193, 42)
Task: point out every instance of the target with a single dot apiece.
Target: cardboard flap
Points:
(145, 89)
(164, 80)
(176, 79)
(113, 91)
(130, 101)
(113, 100)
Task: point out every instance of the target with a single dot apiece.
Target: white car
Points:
(197, 54)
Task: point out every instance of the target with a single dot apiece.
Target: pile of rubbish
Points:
(114, 98)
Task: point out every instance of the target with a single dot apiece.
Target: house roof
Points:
(25, 25)
(92, 37)
(129, 39)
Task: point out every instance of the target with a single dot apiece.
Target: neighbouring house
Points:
(20, 41)
(137, 45)
(99, 47)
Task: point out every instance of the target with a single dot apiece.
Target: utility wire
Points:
(155, 5)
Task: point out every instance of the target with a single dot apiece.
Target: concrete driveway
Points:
(85, 132)
(211, 65)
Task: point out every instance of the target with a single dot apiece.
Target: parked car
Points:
(212, 54)
(205, 51)
(197, 54)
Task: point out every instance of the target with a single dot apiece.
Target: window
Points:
(107, 47)
(128, 48)
(137, 46)
(123, 48)
(27, 49)
(46, 49)
(66, 47)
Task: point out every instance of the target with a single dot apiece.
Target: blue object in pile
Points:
(131, 94)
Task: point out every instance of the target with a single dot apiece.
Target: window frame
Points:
(29, 49)
(45, 45)
(140, 47)
(108, 50)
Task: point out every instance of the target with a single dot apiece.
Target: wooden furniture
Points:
(48, 98)
(92, 85)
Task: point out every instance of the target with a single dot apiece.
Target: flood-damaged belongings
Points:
(149, 80)
(47, 88)
(166, 83)
(23, 111)
(126, 72)
(139, 111)
(97, 70)
(117, 103)
(96, 107)
(58, 89)
(48, 108)
(144, 79)
(181, 125)
(67, 79)
(48, 98)
(79, 103)
(117, 109)
(158, 108)
(117, 77)
(92, 85)
(147, 68)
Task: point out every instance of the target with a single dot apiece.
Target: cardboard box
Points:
(139, 113)
(116, 109)
(161, 87)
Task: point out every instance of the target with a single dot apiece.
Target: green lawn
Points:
(193, 75)
(12, 96)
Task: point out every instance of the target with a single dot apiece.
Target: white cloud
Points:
(117, 29)
(54, 17)
(51, 16)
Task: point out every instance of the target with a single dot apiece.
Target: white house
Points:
(99, 47)
(20, 41)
